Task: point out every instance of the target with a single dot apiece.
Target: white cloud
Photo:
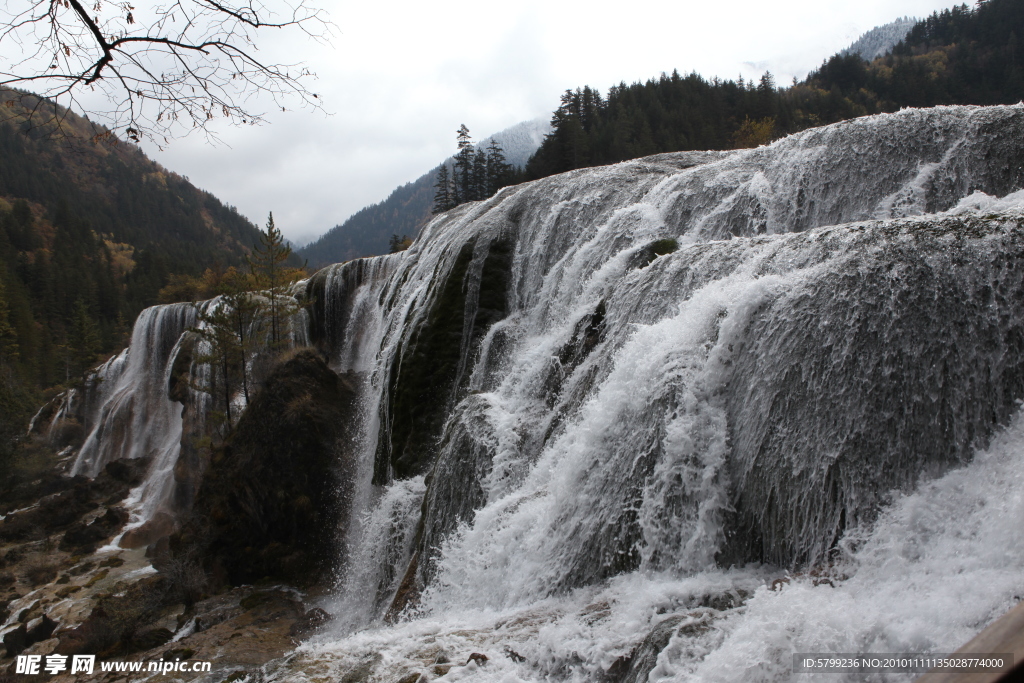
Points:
(401, 76)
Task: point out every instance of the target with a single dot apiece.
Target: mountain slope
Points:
(520, 141)
(90, 230)
(367, 231)
(121, 192)
(407, 208)
(881, 39)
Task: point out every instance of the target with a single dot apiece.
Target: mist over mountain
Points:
(881, 39)
(520, 141)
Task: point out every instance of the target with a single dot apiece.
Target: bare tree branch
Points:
(147, 72)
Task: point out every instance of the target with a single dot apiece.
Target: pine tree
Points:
(268, 270)
(245, 313)
(463, 139)
(84, 341)
(443, 196)
(8, 337)
(223, 352)
(229, 326)
(463, 175)
(479, 182)
(498, 170)
(21, 227)
(396, 243)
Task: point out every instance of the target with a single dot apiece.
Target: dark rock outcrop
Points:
(310, 622)
(83, 538)
(196, 430)
(117, 621)
(431, 367)
(276, 484)
(62, 502)
(16, 640)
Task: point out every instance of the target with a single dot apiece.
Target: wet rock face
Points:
(884, 367)
(152, 530)
(196, 430)
(276, 485)
(310, 622)
(83, 538)
(435, 359)
(62, 501)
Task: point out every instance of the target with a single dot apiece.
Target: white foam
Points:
(937, 567)
(985, 203)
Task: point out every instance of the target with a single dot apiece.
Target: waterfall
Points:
(631, 378)
(592, 369)
(132, 410)
(132, 415)
(636, 413)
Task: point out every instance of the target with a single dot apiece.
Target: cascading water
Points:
(132, 416)
(602, 397)
(602, 412)
(131, 409)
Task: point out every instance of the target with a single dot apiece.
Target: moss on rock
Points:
(428, 371)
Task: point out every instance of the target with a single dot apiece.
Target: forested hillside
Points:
(366, 232)
(958, 56)
(122, 195)
(90, 231)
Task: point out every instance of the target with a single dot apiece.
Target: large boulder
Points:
(82, 538)
(273, 491)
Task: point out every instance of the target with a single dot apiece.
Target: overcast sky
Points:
(399, 77)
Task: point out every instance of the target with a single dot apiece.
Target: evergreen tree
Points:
(245, 313)
(396, 243)
(499, 172)
(463, 172)
(231, 328)
(479, 181)
(268, 269)
(16, 406)
(20, 226)
(84, 341)
(221, 350)
(8, 336)
(443, 200)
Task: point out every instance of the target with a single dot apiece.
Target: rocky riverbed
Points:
(69, 587)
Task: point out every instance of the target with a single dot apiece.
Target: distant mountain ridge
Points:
(520, 141)
(407, 208)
